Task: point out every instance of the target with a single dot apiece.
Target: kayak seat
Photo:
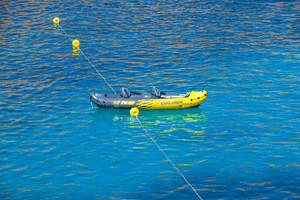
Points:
(125, 93)
(155, 92)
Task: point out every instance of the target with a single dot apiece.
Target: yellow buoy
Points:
(76, 44)
(56, 20)
(134, 111)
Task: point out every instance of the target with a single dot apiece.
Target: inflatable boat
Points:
(155, 100)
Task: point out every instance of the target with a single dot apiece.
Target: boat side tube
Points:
(148, 101)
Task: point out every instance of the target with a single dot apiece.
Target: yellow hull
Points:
(194, 99)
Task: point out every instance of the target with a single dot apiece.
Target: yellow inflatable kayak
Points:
(155, 100)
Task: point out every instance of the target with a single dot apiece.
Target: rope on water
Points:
(82, 53)
(78, 48)
(168, 159)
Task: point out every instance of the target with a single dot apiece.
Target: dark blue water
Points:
(242, 143)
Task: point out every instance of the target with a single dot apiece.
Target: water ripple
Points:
(243, 142)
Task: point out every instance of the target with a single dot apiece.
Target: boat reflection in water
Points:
(163, 121)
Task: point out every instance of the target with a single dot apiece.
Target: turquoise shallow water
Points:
(242, 143)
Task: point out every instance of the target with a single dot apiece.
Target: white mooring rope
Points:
(82, 53)
(166, 156)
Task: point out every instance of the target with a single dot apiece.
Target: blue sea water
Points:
(243, 142)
